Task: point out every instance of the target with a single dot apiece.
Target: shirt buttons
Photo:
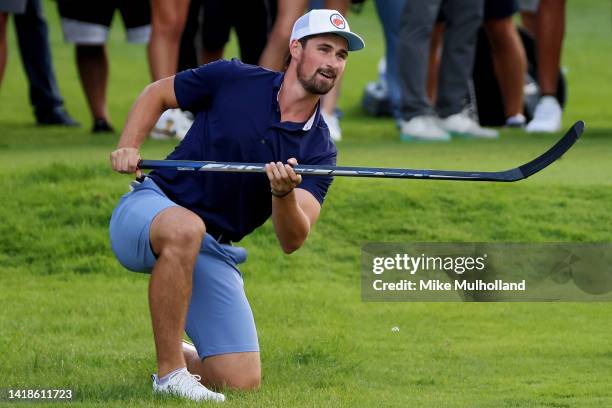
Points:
(263, 141)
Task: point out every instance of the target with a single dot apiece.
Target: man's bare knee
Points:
(185, 236)
(176, 230)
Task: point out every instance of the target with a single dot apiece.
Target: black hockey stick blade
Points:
(555, 152)
(514, 174)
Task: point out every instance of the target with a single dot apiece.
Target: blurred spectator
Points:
(32, 35)
(251, 20)
(545, 21)
(388, 86)
(435, 56)
(383, 97)
(506, 52)
(463, 17)
(508, 55)
(275, 54)
(168, 20)
(86, 24)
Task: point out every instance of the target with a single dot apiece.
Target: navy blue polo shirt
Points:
(237, 119)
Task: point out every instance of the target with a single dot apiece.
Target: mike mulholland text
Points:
(437, 285)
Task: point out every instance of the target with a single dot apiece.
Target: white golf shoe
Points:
(173, 123)
(546, 116)
(460, 124)
(423, 128)
(184, 384)
(516, 121)
(182, 124)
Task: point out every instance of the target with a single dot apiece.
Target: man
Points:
(180, 225)
(422, 120)
(32, 36)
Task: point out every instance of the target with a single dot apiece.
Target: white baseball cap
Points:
(322, 21)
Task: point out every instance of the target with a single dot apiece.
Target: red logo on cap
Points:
(338, 21)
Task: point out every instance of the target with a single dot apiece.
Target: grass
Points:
(72, 317)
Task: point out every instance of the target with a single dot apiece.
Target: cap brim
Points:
(355, 42)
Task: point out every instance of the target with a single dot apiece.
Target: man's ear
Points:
(295, 48)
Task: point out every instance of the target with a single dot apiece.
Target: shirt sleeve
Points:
(318, 185)
(195, 88)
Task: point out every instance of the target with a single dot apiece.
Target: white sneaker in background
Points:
(334, 126)
(546, 116)
(173, 123)
(516, 121)
(377, 90)
(184, 384)
(423, 128)
(182, 124)
(163, 128)
(461, 124)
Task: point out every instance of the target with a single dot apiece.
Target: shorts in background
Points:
(87, 22)
(499, 9)
(13, 6)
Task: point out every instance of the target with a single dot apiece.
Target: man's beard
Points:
(313, 84)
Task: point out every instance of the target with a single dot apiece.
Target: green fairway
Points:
(72, 317)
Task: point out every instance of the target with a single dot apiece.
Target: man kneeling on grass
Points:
(180, 225)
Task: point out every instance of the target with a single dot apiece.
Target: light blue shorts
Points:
(219, 319)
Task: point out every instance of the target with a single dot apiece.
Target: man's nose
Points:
(332, 63)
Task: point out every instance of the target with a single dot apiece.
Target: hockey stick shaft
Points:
(518, 173)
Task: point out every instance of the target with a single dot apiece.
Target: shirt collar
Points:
(310, 121)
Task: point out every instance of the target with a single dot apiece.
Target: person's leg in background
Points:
(136, 16)
(33, 40)
(92, 63)
(252, 26)
(435, 56)
(188, 52)
(275, 54)
(550, 32)
(3, 45)
(529, 22)
(508, 55)
(87, 26)
(416, 25)
(464, 18)
(215, 29)
(389, 13)
(549, 29)
(168, 19)
(16, 6)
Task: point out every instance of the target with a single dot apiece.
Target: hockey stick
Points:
(515, 174)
